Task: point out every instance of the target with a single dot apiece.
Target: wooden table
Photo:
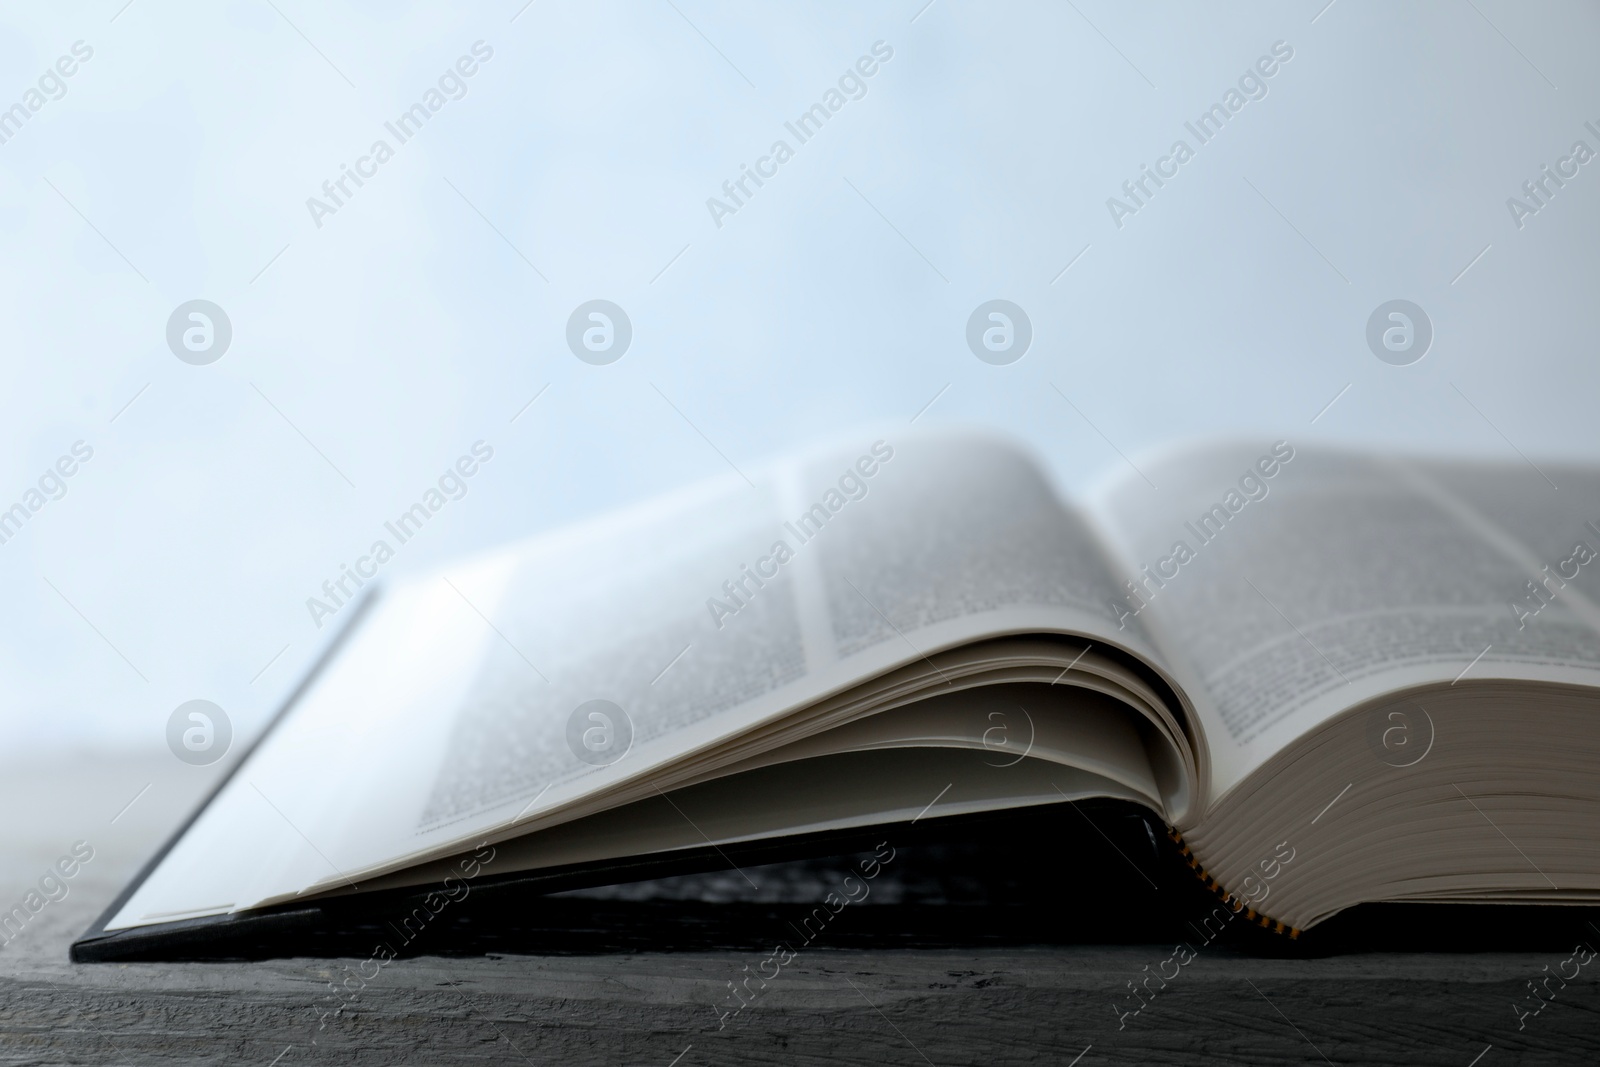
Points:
(867, 992)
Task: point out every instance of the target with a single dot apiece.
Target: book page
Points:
(767, 591)
(1287, 585)
(458, 711)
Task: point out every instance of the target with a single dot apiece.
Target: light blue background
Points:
(406, 328)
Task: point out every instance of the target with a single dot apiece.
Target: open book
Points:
(1335, 677)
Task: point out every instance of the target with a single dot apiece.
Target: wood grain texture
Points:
(987, 1005)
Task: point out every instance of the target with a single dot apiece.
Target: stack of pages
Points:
(1335, 677)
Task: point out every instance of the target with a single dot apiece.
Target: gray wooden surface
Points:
(974, 1006)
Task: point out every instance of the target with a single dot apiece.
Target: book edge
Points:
(79, 951)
